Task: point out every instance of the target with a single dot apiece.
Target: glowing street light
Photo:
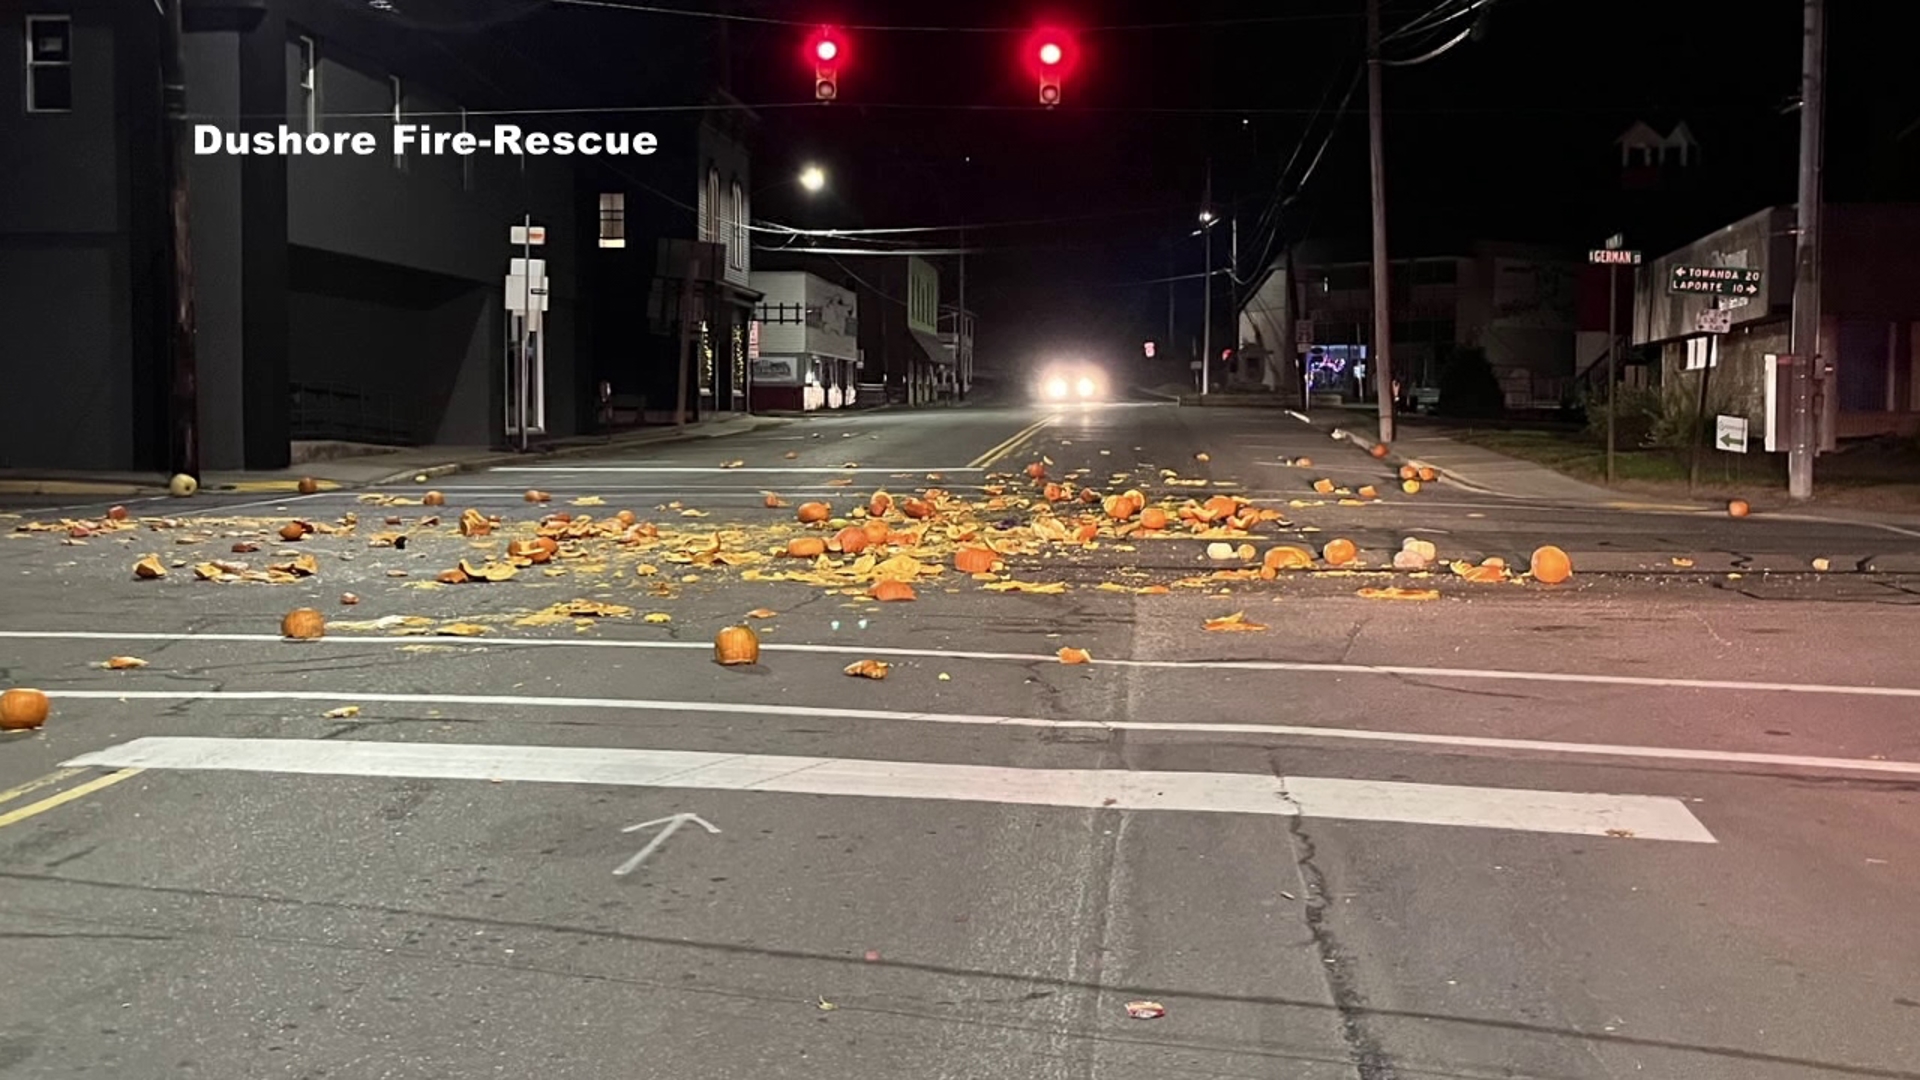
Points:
(813, 178)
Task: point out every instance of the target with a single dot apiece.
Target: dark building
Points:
(345, 296)
(1869, 380)
(903, 359)
(673, 233)
(1514, 301)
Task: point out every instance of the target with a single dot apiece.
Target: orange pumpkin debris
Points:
(813, 512)
(303, 624)
(974, 560)
(1550, 565)
(1339, 552)
(889, 591)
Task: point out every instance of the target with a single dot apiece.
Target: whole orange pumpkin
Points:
(1738, 508)
(303, 624)
(852, 539)
(1550, 565)
(22, 709)
(814, 512)
(806, 547)
(736, 645)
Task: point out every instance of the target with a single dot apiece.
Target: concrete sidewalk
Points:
(1489, 472)
(370, 470)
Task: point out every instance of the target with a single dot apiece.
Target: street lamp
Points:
(813, 178)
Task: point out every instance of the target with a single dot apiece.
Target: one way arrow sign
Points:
(1730, 433)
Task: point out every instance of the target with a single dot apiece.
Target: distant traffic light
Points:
(826, 49)
(1050, 53)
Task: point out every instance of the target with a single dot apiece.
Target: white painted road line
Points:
(1785, 762)
(1303, 667)
(1645, 817)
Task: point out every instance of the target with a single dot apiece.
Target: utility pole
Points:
(686, 343)
(1806, 281)
(183, 442)
(1206, 302)
(1382, 309)
(962, 348)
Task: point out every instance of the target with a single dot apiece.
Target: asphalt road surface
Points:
(1660, 820)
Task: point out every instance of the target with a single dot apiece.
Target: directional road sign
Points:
(1730, 433)
(1613, 257)
(1715, 280)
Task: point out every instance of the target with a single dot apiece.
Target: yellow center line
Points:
(1011, 444)
(13, 817)
(51, 778)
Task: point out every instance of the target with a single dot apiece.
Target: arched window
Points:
(710, 221)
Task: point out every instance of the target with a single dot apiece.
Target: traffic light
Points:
(826, 49)
(1050, 54)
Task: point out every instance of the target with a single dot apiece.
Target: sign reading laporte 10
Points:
(1715, 280)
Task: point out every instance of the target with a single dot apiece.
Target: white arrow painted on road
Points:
(672, 826)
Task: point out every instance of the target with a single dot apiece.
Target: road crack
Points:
(1364, 1052)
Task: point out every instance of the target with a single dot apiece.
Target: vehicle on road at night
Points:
(1072, 380)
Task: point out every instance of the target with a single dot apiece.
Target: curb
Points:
(63, 488)
(1447, 476)
(562, 452)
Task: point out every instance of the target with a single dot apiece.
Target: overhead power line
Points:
(910, 28)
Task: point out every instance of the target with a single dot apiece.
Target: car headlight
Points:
(1057, 388)
(1085, 387)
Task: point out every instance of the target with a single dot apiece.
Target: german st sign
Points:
(1715, 280)
(1613, 257)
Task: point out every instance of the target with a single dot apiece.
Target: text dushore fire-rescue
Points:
(504, 139)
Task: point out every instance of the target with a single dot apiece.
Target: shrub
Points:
(1468, 386)
(1637, 408)
(1679, 422)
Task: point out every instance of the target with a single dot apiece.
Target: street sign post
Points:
(1613, 255)
(1730, 433)
(1714, 280)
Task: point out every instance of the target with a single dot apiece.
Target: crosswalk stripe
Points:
(1645, 817)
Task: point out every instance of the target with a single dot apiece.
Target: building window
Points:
(310, 84)
(613, 219)
(737, 242)
(1703, 352)
(710, 219)
(49, 63)
(399, 103)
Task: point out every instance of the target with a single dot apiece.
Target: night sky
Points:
(1508, 136)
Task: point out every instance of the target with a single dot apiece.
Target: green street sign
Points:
(1714, 280)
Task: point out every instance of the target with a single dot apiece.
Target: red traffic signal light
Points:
(826, 49)
(1050, 55)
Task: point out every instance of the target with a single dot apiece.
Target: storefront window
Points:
(706, 359)
(739, 360)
